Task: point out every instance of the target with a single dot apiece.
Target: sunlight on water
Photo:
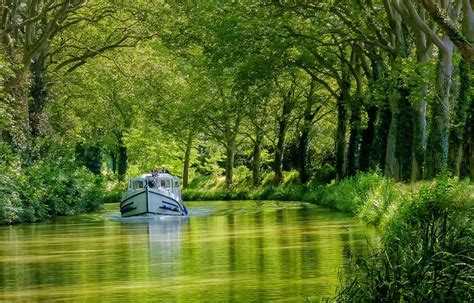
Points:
(224, 251)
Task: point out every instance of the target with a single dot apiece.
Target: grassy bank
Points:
(369, 195)
(427, 232)
(427, 249)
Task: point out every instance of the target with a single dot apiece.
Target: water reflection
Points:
(225, 251)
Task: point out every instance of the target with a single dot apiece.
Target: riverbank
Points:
(427, 232)
(368, 196)
(47, 189)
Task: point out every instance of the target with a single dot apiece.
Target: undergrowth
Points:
(46, 188)
(426, 253)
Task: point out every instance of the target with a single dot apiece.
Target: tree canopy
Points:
(216, 86)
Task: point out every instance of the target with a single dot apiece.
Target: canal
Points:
(239, 251)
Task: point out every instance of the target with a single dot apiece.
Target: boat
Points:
(156, 193)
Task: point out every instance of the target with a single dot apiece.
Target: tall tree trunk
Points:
(122, 158)
(419, 114)
(404, 136)
(457, 131)
(229, 160)
(382, 132)
(353, 151)
(341, 138)
(113, 157)
(282, 129)
(303, 146)
(16, 128)
(390, 168)
(38, 97)
(187, 160)
(437, 147)
(256, 162)
(419, 139)
(468, 144)
(368, 147)
(304, 152)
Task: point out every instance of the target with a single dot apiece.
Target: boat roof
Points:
(160, 176)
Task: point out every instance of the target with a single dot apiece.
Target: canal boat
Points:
(156, 193)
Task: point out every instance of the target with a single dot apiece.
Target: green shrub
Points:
(45, 189)
(380, 200)
(10, 201)
(426, 253)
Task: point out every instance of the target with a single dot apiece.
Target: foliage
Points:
(368, 195)
(427, 250)
(45, 189)
(368, 192)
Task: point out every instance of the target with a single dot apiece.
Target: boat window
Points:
(176, 183)
(137, 184)
(165, 183)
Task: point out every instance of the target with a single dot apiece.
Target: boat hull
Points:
(151, 201)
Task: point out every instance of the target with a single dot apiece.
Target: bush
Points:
(45, 189)
(426, 253)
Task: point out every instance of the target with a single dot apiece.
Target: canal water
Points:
(240, 251)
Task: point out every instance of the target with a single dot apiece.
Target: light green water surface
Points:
(240, 251)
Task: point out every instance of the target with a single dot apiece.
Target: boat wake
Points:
(147, 218)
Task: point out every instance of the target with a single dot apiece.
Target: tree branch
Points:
(462, 43)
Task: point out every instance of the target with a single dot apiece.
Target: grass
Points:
(426, 253)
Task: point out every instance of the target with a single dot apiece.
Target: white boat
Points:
(156, 193)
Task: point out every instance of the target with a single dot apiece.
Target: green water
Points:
(225, 251)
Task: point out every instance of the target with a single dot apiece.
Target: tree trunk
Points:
(38, 97)
(341, 138)
(122, 158)
(419, 117)
(303, 153)
(404, 136)
(16, 129)
(382, 132)
(303, 146)
(437, 147)
(229, 160)
(419, 139)
(457, 131)
(279, 152)
(368, 147)
(257, 148)
(187, 160)
(353, 151)
(468, 144)
(282, 128)
(390, 169)
(113, 157)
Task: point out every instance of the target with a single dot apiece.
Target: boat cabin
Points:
(161, 180)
